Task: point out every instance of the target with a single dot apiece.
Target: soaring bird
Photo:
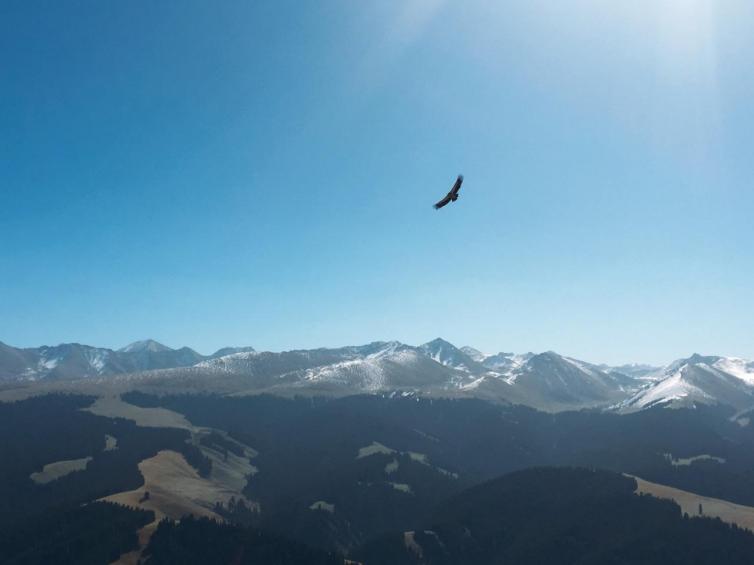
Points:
(451, 196)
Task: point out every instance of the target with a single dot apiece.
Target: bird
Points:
(451, 196)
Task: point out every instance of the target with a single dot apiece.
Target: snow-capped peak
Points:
(702, 379)
(447, 354)
(475, 354)
(739, 368)
(144, 345)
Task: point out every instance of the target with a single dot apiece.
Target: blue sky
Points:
(262, 173)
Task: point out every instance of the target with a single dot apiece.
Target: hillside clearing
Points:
(742, 516)
(53, 471)
(111, 443)
(114, 407)
(175, 489)
(373, 449)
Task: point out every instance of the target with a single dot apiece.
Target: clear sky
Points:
(262, 173)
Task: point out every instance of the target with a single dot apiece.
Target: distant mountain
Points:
(698, 380)
(503, 362)
(475, 354)
(148, 354)
(70, 361)
(61, 362)
(553, 376)
(147, 345)
(506, 361)
(547, 381)
(13, 362)
(231, 350)
(551, 381)
(449, 355)
(375, 367)
(636, 370)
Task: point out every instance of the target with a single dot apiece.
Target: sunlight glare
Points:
(686, 34)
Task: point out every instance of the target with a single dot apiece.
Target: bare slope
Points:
(742, 516)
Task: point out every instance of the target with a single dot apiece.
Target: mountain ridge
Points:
(548, 380)
(72, 361)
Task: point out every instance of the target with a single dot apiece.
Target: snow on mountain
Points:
(231, 350)
(377, 366)
(739, 368)
(235, 361)
(671, 389)
(149, 345)
(506, 362)
(698, 379)
(64, 362)
(447, 354)
(149, 354)
(563, 381)
(634, 370)
(546, 380)
(437, 367)
(403, 368)
(474, 354)
(70, 361)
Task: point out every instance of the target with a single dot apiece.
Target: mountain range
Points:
(698, 380)
(70, 361)
(548, 380)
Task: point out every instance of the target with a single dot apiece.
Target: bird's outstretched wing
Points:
(444, 201)
(452, 195)
(457, 185)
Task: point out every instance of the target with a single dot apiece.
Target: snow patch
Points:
(322, 505)
(739, 368)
